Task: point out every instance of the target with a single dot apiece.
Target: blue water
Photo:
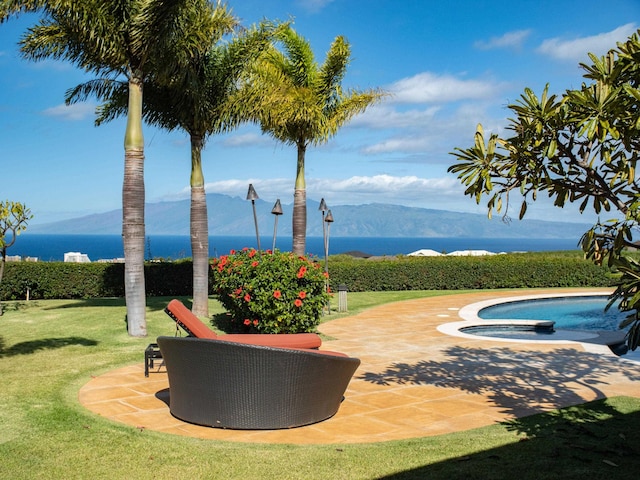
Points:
(173, 247)
(568, 313)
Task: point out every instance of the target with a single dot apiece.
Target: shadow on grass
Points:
(521, 382)
(152, 303)
(594, 441)
(26, 348)
(16, 305)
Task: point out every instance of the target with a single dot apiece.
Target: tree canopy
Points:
(581, 146)
(14, 217)
(299, 102)
(132, 39)
(198, 102)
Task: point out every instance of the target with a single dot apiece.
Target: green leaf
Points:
(523, 210)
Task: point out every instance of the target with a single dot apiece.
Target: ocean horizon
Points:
(47, 247)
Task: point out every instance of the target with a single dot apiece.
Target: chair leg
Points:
(150, 353)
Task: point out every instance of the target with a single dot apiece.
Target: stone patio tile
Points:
(414, 381)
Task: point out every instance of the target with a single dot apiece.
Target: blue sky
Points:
(448, 65)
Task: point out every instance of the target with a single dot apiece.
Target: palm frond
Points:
(334, 67)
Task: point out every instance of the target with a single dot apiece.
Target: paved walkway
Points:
(414, 381)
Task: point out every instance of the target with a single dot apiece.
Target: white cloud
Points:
(384, 116)
(435, 134)
(246, 139)
(578, 48)
(427, 87)
(441, 193)
(399, 144)
(78, 111)
(266, 188)
(508, 40)
(405, 190)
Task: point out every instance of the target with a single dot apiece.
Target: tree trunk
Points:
(133, 234)
(199, 232)
(299, 221)
(3, 258)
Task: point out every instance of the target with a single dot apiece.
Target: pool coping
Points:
(593, 342)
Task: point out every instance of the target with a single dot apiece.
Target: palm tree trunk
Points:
(133, 233)
(299, 221)
(199, 232)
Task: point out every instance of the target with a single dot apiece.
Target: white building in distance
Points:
(76, 257)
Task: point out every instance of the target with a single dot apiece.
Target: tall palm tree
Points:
(132, 39)
(197, 102)
(300, 103)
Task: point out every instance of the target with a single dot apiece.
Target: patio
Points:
(414, 381)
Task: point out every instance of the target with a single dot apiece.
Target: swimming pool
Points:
(521, 311)
(580, 314)
(568, 313)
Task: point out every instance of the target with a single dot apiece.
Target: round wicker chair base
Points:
(238, 386)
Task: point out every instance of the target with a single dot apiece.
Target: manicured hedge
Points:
(529, 270)
(47, 280)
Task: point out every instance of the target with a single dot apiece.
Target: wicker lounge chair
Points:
(232, 385)
(196, 328)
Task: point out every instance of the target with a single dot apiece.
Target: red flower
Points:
(247, 321)
(247, 297)
(255, 264)
(255, 322)
(302, 294)
(302, 271)
(277, 294)
(232, 252)
(252, 253)
(244, 249)
(297, 302)
(238, 291)
(326, 274)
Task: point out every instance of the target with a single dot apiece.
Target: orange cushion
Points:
(196, 328)
(283, 340)
(188, 321)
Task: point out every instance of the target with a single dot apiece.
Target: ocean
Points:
(173, 247)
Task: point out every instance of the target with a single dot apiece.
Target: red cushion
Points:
(188, 321)
(196, 328)
(284, 340)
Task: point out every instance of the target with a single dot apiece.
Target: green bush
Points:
(270, 292)
(49, 280)
(526, 270)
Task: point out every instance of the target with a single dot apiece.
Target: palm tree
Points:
(300, 103)
(132, 39)
(198, 103)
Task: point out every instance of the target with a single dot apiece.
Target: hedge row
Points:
(462, 273)
(46, 280)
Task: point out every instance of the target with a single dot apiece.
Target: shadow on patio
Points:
(521, 382)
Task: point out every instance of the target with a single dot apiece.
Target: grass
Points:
(49, 349)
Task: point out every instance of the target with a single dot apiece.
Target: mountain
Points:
(234, 216)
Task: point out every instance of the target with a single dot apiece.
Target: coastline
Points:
(48, 247)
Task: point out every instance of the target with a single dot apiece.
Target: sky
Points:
(446, 65)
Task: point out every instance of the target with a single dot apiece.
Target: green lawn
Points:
(49, 349)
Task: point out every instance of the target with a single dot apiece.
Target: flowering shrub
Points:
(270, 292)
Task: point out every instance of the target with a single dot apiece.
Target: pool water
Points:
(568, 313)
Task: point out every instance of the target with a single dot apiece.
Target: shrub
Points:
(270, 292)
